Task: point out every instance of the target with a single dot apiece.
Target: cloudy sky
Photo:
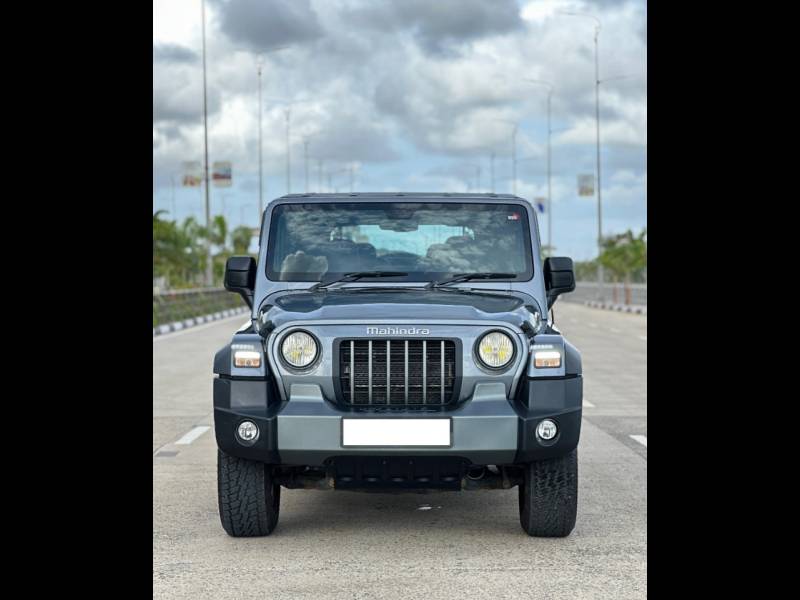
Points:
(411, 95)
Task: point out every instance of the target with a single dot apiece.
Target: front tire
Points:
(548, 496)
(249, 498)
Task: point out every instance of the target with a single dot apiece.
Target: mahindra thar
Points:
(398, 342)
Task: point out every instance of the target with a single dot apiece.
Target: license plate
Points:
(396, 432)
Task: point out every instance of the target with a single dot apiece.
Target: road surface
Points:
(432, 546)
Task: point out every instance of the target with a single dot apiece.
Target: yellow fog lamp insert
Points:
(496, 350)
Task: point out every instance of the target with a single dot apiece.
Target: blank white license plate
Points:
(396, 432)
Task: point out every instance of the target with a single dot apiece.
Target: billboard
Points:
(192, 174)
(586, 185)
(222, 174)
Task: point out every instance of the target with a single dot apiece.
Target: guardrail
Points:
(178, 305)
(612, 293)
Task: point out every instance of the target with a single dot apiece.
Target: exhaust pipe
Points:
(476, 473)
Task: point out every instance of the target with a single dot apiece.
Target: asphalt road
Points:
(445, 545)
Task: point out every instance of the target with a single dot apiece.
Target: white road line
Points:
(642, 439)
(587, 403)
(192, 435)
(643, 337)
(197, 328)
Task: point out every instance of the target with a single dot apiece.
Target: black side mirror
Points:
(559, 277)
(240, 277)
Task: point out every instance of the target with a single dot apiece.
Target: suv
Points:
(398, 342)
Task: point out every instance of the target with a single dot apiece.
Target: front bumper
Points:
(487, 429)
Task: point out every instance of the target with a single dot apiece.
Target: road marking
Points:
(643, 337)
(589, 404)
(192, 435)
(642, 439)
(193, 329)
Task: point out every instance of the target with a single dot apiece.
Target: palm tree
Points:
(240, 239)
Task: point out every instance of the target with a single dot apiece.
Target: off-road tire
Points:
(249, 498)
(548, 496)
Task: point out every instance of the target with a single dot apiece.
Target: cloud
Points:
(173, 53)
(412, 91)
(440, 25)
(261, 24)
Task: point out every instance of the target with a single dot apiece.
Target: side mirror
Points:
(559, 277)
(240, 277)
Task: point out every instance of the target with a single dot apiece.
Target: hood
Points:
(369, 304)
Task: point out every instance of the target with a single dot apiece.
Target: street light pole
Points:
(305, 152)
(514, 160)
(549, 164)
(491, 166)
(209, 270)
(288, 150)
(599, 186)
(597, 125)
(260, 146)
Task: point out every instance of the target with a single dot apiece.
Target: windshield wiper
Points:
(469, 277)
(355, 277)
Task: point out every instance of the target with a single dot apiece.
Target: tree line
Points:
(179, 249)
(624, 259)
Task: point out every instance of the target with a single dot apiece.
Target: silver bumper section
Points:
(484, 428)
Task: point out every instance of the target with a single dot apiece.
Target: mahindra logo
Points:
(397, 331)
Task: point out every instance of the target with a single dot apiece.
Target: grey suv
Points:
(398, 342)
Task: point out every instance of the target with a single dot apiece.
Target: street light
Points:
(597, 122)
(288, 115)
(260, 134)
(513, 156)
(477, 176)
(549, 185)
(209, 271)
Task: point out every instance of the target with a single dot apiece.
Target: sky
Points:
(408, 95)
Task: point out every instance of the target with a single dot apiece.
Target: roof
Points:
(401, 195)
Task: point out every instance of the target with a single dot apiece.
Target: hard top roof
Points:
(400, 196)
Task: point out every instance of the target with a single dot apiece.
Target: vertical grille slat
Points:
(410, 374)
(405, 389)
(424, 371)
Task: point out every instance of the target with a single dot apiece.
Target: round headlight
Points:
(299, 349)
(496, 349)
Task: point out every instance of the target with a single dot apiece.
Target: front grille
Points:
(397, 372)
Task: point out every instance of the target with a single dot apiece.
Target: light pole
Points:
(288, 150)
(514, 160)
(491, 168)
(305, 153)
(477, 177)
(513, 155)
(260, 146)
(597, 124)
(260, 135)
(209, 271)
(549, 171)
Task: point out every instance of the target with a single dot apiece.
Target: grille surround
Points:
(399, 395)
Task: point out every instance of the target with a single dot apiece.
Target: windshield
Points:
(312, 242)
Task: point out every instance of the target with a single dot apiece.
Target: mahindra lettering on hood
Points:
(398, 342)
